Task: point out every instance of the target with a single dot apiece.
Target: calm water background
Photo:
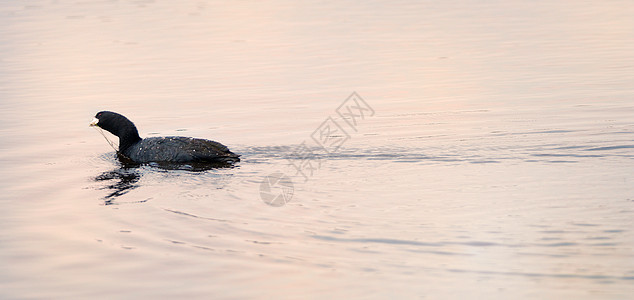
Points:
(498, 163)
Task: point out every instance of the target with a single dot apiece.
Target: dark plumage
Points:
(173, 149)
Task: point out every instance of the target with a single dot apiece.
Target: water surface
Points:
(497, 162)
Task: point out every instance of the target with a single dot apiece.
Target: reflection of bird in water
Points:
(125, 180)
(122, 180)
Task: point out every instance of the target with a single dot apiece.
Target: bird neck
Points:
(127, 138)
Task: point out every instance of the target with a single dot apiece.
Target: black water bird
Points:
(171, 149)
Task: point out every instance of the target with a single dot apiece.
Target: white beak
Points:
(94, 122)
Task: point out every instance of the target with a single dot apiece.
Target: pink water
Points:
(497, 163)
